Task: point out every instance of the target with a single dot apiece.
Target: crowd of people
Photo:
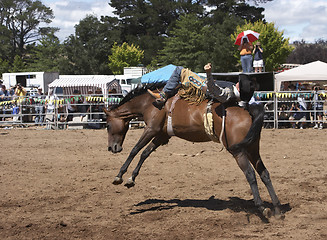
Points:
(17, 103)
(303, 110)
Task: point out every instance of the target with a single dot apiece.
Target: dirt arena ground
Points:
(57, 185)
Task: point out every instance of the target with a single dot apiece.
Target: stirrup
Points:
(159, 103)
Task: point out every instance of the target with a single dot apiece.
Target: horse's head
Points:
(117, 128)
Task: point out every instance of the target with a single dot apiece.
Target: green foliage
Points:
(124, 56)
(222, 9)
(87, 51)
(219, 47)
(5, 46)
(147, 23)
(196, 40)
(4, 66)
(308, 52)
(22, 18)
(188, 33)
(18, 65)
(276, 47)
(46, 55)
(185, 47)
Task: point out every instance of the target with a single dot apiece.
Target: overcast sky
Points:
(299, 19)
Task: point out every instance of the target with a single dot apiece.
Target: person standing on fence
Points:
(258, 57)
(39, 107)
(246, 55)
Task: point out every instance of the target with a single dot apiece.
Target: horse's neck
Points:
(133, 108)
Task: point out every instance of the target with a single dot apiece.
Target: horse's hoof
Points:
(279, 216)
(130, 183)
(117, 181)
(266, 213)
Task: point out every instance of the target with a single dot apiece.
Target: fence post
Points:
(275, 111)
(315, 98)
(55, 117)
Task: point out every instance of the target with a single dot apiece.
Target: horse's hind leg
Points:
(254, 157)
(156, 142)
(244, 163)
(265, 177)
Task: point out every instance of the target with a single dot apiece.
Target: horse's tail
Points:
(257, 112)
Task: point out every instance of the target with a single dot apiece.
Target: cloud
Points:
(301, 19)
(69, 13)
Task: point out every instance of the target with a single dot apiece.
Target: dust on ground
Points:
(57, 185)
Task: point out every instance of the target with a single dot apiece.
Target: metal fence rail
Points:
(54, 112)
(280, 113)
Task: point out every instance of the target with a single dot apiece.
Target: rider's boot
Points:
(160, 98)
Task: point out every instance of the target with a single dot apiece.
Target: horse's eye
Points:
(108, 126)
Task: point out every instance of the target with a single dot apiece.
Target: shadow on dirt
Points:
(234, 203)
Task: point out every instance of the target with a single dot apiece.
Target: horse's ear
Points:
(106, 110)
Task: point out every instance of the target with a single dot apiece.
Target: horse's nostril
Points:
(109, 149)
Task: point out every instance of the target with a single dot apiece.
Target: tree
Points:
(4, 66)
(308, 52)
(87, 51)
(147, 23)
(46, 55)
(22, 18)
(185, 46)
(124, 56)
(222, 9)
(5, 45)
(276, 47)
(18, 65)
(219, 47)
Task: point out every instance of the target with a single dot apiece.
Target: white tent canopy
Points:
(314, 71)
(85, 83)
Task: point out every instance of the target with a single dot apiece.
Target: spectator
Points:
(297, 115)
(72, 108)
(258, 57)
(20, 90)
(12, 91)
(39, 108)
(97, 109)
(246, 55)
(4, 94)
(318, 108)
(76, 106)
(283, 116)
(50, 108)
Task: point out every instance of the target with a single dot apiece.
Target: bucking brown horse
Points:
(240, 134)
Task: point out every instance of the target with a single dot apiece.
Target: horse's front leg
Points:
(145, 154)
(146, 137)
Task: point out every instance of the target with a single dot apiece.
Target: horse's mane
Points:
(139, 91)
